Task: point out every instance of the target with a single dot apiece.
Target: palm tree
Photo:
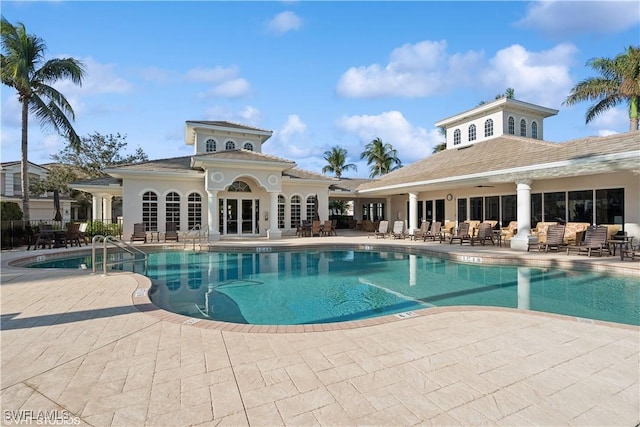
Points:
(21, 68)
(619, 83)
(337, 162)
(381, 157)
(443, 145)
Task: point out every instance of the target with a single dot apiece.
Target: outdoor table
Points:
(623, 242)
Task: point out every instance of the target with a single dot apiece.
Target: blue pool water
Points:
(301, 287)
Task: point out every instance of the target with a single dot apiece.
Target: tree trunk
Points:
(24, 162)
(634, 112)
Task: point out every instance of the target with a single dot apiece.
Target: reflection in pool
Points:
(318, 286)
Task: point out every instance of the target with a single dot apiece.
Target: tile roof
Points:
(227, 125)
(298, 173)
(102, 181)
(174, 164)
(242, 154)
(501, 153)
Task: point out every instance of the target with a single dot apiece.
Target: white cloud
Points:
(565, 18)
(284, 22)
(293, 126)
(232, 88)
(248, 115)
(99, 79)
(538, 77)
(212, 75)
(414, 70)
(226, 82)
(411, 142)
(616, 118)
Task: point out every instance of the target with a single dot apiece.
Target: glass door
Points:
(247, 216)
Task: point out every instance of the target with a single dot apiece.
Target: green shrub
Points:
(10, 211)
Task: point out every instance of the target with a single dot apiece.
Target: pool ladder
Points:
(126, 247)
(195, 236)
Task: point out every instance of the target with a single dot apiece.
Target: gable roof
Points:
(225, 124)
(505, 158)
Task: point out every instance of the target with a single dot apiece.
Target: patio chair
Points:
(629, 252)
(382, 230)
(462, 234)
(82, 233)
(44, 237)
(555, 238)
(72, 234)
(334, 226)
(398, 231)
(424, 229)
(434, 232)
(473, 227)
(595, 240)
(485, 232)
(316, 229)
(508, 232)
(326, 228)
(446, 229)
(139, 232)
(171, 231)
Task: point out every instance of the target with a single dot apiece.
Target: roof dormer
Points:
(215, 136)
(504, 116)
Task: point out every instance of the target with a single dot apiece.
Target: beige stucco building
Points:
(497, 166)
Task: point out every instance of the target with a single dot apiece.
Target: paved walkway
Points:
(75, 347)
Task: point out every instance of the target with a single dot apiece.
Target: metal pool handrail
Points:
(194, 234)
(132, 250)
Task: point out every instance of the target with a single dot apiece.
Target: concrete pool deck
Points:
(83, 347)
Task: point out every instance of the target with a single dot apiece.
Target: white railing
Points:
(106, 240)
(195, 235)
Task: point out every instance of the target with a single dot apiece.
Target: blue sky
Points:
(318, 74)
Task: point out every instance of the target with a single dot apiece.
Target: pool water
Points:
(302, 287)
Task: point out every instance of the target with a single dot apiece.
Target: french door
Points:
(239, 216)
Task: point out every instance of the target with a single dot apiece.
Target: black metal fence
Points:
(18, 233)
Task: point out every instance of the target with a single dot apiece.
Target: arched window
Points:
(296, 202)
(488, 127)
(523, 127)
(211, 145)
(230, 145)
(150, 210)
(472, 133)
(311, 208)
(248, 146)
(239, 187)
(173, 208)
(281, 204)
(194, 210)
(534, 130)
(512, 126)
(456, 137)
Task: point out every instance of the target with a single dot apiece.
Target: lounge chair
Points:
(595, 240)
(171, 231)
(473, 227)
(629, 252)
(139, 232)
(485, 232)
(554, 239)
(462, 234)
(446, 229)
(507, 233)
(398, 230)
(382, 230)
(422, 231)
(434, 232)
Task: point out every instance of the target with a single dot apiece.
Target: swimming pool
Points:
(321, 286)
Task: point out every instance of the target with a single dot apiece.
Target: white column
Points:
(521, 240)
(413, 213)
(96, 207)
(413, 269)
(213, 215)
(273, 233)
(106, 207)
(524, 295)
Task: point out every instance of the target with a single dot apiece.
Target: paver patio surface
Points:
(75, 345)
